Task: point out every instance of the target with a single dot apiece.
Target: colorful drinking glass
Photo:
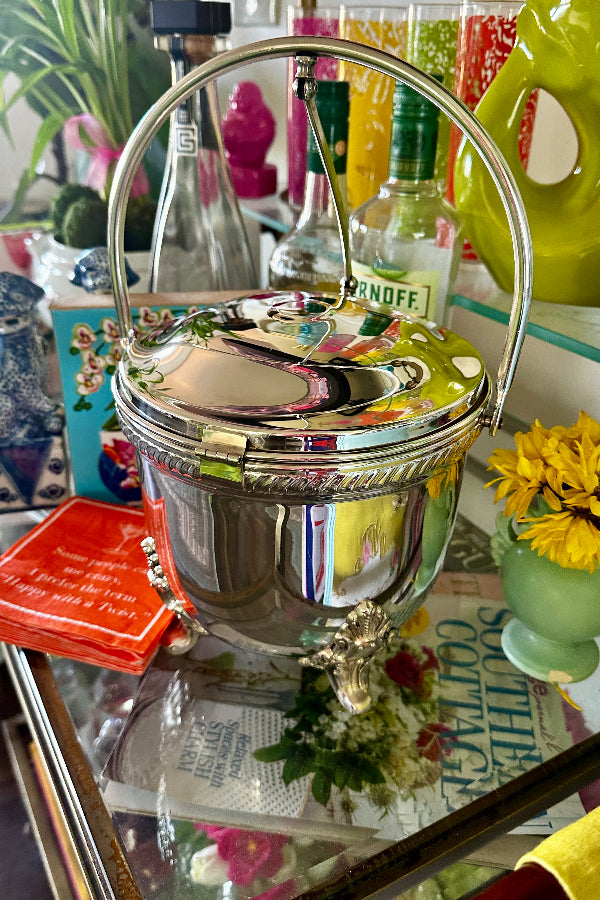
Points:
(370, 96)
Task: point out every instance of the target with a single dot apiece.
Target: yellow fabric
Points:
(572, 855)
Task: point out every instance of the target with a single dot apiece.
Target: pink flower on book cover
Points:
(122, 453)
(110, 329)
(152, 318)
(83, 337)
(431, 660)
(113, 358)
(92, 363)
(100, 349)
(88, 383)
(250, 854)
(407, 671)
(404, 670)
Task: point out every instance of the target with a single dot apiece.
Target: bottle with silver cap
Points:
(199, 241)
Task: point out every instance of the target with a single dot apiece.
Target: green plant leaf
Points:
(14, 213)
(111, 424)
(370, 772)
(272, 753)
(65, 11)
(49, 127)
(342, 776)
(72, 56)
(33, 81)
(300, 762)
(355, 782)
(321, 787)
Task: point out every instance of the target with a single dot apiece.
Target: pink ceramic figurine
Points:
(248, 130)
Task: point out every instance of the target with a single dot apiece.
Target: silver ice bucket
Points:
(301, 454)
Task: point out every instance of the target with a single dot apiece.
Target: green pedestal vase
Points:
(557, 616)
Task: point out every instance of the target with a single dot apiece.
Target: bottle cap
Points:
(409, 102)
(413, 141)
(333, 106)
(335, 94)
(190, 17)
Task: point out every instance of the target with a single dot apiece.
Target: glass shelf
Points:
(135, 841)
(271, 212)
(572, 328)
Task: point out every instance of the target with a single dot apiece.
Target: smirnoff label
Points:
(413, 292)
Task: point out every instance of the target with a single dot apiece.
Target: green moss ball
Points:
(64, 198)
(85, 223)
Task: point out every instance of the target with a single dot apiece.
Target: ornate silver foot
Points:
(347, 658)
(160, 583)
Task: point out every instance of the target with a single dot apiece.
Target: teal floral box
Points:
(103, 463)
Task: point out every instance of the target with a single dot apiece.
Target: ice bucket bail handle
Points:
(385, 64)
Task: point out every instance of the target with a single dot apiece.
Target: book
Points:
(67, 849)
(88, 346)
(475, 721)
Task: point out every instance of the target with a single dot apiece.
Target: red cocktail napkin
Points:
(76, 586)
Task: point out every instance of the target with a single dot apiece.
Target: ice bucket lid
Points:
(298, 371)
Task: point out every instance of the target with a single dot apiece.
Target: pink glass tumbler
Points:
(319, 22)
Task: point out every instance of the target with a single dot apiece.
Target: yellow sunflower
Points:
(524, 471)
(584, 425)
(578, 474)
(561, 466)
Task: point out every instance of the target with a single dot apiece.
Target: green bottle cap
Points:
(333, 105)
(409, 102)
(414, 134)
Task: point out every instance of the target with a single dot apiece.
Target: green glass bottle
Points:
(309, 256)
(405, 242)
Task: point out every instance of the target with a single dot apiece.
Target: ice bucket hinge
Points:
(222, 446)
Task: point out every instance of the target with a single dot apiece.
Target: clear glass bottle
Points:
(199, 241)
(405, 242)
(309, 256)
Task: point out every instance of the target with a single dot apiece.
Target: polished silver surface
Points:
(283, 575)
(347, 657)
(388, 65)
(297, 372)
(160, 583)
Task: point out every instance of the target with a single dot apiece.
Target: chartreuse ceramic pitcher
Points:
(557, 48)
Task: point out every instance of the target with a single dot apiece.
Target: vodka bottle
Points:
(199, 241)
(309, 256)
(405, 242)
